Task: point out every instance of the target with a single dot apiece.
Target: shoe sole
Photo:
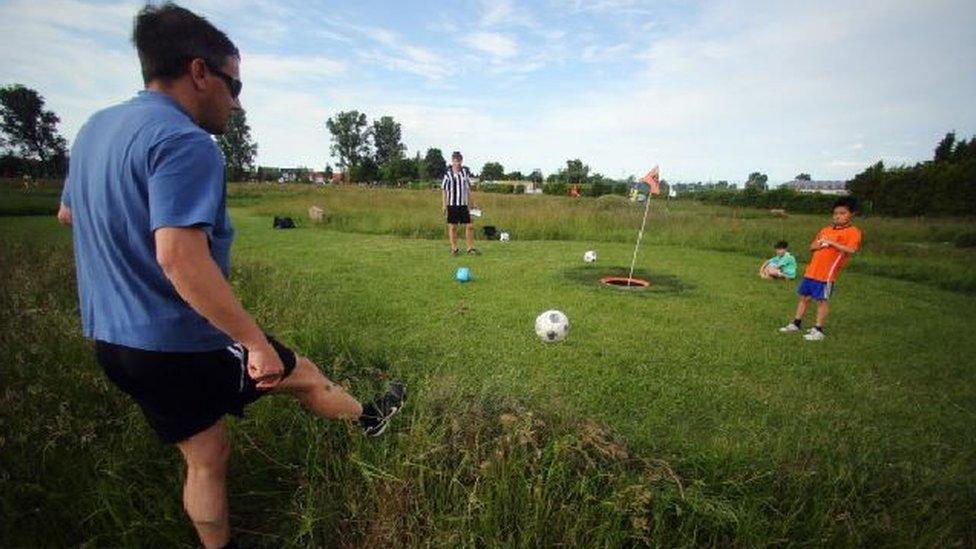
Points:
(385, 422)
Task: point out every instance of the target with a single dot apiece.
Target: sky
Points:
(710, 90)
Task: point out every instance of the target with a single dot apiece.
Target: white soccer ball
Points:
(552, 326)
(504, 237)
(589, 256)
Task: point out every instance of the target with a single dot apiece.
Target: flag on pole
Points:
(653, 180)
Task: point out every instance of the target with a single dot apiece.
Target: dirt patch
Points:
(659, 283)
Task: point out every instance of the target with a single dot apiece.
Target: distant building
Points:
(823, 187)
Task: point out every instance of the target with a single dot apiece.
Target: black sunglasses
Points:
(233, 85)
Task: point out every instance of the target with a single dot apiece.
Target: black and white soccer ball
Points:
(589, 256)
(552, 326)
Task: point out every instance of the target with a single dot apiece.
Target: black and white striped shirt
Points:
(457, 185)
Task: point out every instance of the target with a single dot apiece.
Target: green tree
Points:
(943, 151)
(386, 140)
(31, 130)
(436, 165)
(757, 181)
(421, 167)
(238, 147)
(965, 150)
(492, 171)
(365, 171)
(803, 177)
(575, 172)
(399, 170)
(536, 176)
(350, 138)
(514, 176)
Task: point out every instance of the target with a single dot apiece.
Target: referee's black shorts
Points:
(182, 394)
(458, 215)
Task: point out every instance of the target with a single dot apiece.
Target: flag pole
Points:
(640, 235)
(651, 179)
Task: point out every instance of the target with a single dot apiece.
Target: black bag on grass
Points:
(490, 232)
(283, 223)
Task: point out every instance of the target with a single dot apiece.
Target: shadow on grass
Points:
(661, 283)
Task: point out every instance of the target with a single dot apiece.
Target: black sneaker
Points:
(455, 251)
(473, 251)
(377, 414)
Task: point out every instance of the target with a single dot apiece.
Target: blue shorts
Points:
(816, 289)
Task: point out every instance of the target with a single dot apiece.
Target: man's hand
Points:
(64, 215)
(264, 366)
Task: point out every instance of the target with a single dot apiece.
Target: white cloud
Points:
(404, 63)
(497, 45)
(747, 88)
(603, 54)
(392, 52)
(289, 70)
(734, 87)
(496, 12)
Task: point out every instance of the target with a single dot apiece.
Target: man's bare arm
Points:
(184, 255)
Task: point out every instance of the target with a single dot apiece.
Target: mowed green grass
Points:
(676, 416)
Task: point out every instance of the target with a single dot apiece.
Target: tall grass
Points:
(919, 250)
(862, 448)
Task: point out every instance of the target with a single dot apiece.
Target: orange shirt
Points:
(827, 262)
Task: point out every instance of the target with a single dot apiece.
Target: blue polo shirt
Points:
(134, 168)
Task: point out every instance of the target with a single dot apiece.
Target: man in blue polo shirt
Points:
(146, 200)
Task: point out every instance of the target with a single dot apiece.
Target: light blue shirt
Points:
(786, 264)
(137, 167)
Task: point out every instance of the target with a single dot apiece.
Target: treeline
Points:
(370, 151)
(779, 198)
(945, 185)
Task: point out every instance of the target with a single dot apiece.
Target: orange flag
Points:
(653, 180)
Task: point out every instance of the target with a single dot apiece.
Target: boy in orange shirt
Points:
(831, 248)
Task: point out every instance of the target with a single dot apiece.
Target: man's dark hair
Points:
(848, 202)
(168, 37)
(456, 154)
(781, 245)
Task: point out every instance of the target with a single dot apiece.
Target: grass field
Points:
(673, 417)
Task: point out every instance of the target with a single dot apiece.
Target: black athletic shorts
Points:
(182, 394)
(458, 215)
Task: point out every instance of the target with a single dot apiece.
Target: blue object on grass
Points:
(463, 274)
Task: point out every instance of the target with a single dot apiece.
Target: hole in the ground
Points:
(659, 283)
(625, 283)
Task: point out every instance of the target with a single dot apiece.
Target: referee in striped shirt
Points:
(455, 201)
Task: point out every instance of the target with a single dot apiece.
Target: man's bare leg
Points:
(469, 235)
(316, 392)
(452, 236)
(205, 490)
